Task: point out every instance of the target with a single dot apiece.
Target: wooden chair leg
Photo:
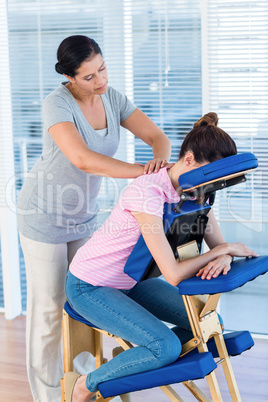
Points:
(171, 393)
(227, 368)
(214, 387)
(196, 391)
(98, 338)
(67, 343)
(62, 390)
(211, 378)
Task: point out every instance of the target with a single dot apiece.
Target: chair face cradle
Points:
(184, 224)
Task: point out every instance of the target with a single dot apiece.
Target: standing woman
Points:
(57, 205)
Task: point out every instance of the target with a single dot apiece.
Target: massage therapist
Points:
(57, 205)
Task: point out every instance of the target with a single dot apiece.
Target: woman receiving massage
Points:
(99, 290)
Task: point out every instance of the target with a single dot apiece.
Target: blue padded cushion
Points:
(236, 343)
(215, 170)
(242, 271)
(140, 256)
(72, 313)
(189, 367)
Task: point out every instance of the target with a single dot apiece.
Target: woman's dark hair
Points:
(73, 51)
(207, 141)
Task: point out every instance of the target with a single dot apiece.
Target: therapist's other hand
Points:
(154, 165)
(220, 265)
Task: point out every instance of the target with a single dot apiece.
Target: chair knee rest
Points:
(236, 343)
(189, 367)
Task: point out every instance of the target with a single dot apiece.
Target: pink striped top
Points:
(102, 259)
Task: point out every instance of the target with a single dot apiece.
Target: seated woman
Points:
(99, 290)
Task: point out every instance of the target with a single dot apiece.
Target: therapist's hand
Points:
(220, 265)
(154, 165)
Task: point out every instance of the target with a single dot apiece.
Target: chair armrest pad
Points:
(242, 271)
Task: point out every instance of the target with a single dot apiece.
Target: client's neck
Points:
(174, 174)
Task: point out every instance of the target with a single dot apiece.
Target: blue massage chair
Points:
(209, 347)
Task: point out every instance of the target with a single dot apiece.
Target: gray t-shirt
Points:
(58, 201)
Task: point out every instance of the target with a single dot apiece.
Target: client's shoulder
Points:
(154, 182)
(155, 178)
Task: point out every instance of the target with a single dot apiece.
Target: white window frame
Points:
(8, 220)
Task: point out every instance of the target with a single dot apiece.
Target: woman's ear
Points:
(189, 160)
(71, 79)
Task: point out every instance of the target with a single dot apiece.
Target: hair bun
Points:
(58, 68)
(209, 119)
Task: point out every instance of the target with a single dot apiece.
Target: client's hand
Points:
(240, 250)
(214, 268)
(222, 264)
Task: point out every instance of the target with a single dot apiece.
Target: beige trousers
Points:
(46, 268)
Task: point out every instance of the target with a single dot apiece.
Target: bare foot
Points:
(80, 392)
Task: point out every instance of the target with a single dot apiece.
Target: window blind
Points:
(152, 50)
(35, 30)
(238, 91)
(167, 68)
(237, 84)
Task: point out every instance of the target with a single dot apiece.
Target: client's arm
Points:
(213, 237)
(174, 272)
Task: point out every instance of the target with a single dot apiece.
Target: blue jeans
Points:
(135, 315)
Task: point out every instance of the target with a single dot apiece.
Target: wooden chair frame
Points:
(204, 321)
(79, 337)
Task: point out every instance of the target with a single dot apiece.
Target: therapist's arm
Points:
(145, 129)
(72, 145)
